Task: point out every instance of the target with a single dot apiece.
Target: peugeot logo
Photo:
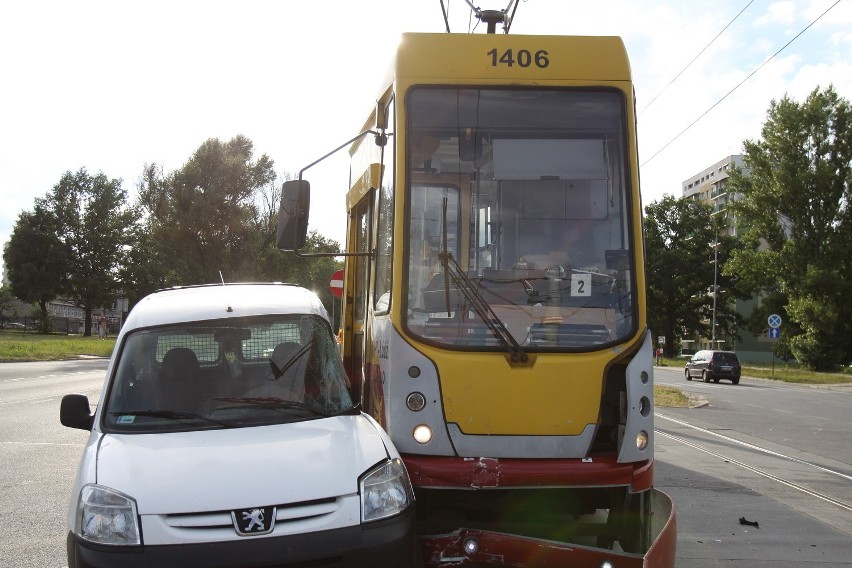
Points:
(254, 521)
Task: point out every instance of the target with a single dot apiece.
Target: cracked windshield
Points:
(227, 373)
(518, 232)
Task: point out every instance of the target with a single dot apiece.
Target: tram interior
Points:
(537, 229)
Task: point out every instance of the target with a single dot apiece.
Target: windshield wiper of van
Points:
(279, 372)
(276, 403)
(270, 402)
(481, 307)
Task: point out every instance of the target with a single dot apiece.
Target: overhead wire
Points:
(696, 57)
(737, 86)
(512, 17)
(446, 16)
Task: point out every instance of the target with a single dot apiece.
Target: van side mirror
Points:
(293, 215)
(74, 412)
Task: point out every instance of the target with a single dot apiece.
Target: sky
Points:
(111, 86)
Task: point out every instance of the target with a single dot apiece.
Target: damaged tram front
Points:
(494, 305)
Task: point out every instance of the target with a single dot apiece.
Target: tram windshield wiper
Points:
(481, 307)
(454, 272)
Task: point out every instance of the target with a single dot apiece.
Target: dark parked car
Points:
(714, 366)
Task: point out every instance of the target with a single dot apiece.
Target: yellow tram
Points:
(494, 308)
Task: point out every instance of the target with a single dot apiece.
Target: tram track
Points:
(814, 492)
(760, 471)
(746, 445)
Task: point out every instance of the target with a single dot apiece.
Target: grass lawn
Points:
(18, 346)
(670, 396)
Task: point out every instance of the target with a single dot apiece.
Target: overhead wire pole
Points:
(738, 85)
(492, 17)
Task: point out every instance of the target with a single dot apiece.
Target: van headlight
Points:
(385, 491)
(105, 516)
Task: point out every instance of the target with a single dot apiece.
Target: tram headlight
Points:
(471, 546)
(422, 433)
(415, 402)
(641, 440)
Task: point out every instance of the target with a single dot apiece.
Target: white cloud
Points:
(839, 13)
(778, 13)
(840, 38)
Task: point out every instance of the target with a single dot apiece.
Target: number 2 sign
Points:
(581, 284)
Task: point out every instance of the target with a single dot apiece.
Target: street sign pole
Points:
(335, 286)
(774, 322)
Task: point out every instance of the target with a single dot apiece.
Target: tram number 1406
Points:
(521, 57)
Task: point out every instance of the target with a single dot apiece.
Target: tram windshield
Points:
(518, 219)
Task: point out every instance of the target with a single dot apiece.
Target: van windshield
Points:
(227, 373)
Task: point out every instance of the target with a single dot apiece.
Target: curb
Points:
(696, 401)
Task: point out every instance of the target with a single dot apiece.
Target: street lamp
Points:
(716, 244)
(715, 287)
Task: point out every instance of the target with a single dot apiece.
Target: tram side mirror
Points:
(293, 215)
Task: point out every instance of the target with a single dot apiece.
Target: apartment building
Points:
(710, 186)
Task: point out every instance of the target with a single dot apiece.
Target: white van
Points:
(227, 436)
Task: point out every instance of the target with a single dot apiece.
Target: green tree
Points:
(7, 301)
(142, 271)
(679, 262)
(795, 217)
(94, 223)
(313, 273)
(219, 212)
(204, 218)
(37, 260)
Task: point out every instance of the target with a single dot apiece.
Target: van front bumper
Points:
(391, 542)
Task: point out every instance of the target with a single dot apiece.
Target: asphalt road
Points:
(772, 453)
(39, 457)
(769, 452)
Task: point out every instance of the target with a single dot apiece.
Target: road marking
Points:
(761, 472)
(752, 446)
(42, 444)
(93, 392)
(45, 399)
